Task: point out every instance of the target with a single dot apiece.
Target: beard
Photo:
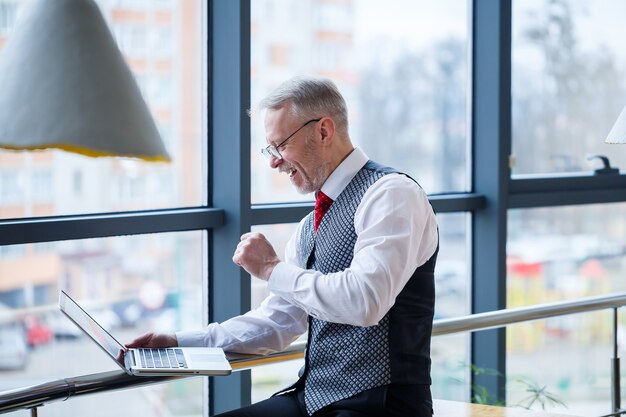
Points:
(314, 177)
(311, 183)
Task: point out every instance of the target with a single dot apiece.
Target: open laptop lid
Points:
(91, 328)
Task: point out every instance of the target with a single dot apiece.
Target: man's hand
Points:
(256, 255)
(154, 340)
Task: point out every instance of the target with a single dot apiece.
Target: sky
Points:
(424, 19)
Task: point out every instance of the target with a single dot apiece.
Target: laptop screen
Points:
(83, 320)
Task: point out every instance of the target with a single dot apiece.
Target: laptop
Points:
(174, 361)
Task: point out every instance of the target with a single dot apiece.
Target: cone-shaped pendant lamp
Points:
(618, 132)
(64, 84)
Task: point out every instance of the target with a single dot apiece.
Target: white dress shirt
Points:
(396, 233)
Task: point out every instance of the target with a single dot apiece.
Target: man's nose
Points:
(275, 162)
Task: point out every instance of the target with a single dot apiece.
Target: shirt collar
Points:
(343, 174)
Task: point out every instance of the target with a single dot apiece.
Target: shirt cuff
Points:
(283, 278)
(192, 338)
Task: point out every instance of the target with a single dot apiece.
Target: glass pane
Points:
(569, 357)
(130, 284)
(450, 354)
(401, 67)
(569, 83)
(566, 253)
(162, 43)
(268, 379)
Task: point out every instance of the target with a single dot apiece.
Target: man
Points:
(360, 276)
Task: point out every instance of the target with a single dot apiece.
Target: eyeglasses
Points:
(272, 151)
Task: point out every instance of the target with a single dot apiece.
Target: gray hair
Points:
(310, 97)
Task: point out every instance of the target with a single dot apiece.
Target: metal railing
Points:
(35, 396)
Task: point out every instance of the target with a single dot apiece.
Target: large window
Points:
(401, 66)
(161, 42)
(569, 83)
(405, 81)
(132, 280)
(556, 254)
(130, 285)
(450, 354)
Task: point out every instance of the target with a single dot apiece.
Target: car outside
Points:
(13, 348)
(62, 327)
(37, 331)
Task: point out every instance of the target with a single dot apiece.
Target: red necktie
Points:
(322, 204)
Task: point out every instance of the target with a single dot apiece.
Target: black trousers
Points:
(386, 401)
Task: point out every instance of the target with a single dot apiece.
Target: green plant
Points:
(537, 394)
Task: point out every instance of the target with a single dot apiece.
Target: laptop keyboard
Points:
(171, 358)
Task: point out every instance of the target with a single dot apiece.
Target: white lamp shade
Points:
(618, 132)
(64, 84)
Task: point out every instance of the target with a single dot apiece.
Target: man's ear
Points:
(327, 130)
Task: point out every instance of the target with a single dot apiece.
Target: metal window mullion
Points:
(559, 190)
(229, 130)
(293, 212)
(491, 138)
(86, 226)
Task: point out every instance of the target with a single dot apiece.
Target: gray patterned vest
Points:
(344, 360)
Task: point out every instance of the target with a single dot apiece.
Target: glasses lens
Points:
(270, 152)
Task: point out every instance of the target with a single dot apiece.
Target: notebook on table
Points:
(147, 361)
